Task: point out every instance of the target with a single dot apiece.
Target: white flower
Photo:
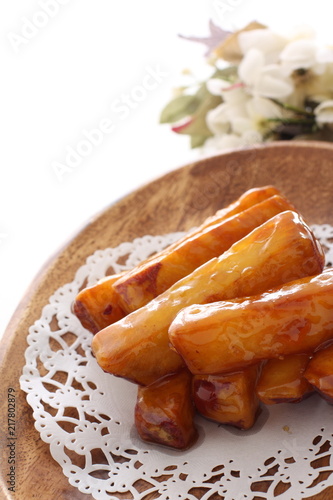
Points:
(324, 112)
(301, 54)
(223, 118)
(217, 121)
(240, 113)
(302, 31)
(232, 141)
(325, 55)
(223, 142)
(264, 80)
(231, 93)
(269, 43)
(259, 111)
(216, 85)
(251, 138)
(279, 78)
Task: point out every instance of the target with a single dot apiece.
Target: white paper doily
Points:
(87, 416)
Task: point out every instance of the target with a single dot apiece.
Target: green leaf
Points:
(198, 140)
(229, 73)
(188, 105)
(199, 125)
(197, 106)
(178, 108)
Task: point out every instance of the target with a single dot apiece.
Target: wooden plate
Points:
(178, 201)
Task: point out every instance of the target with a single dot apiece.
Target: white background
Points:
(65, 79)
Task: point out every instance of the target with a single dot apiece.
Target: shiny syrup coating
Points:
(228, 399)
(137, 347)
(226, 336)
(154, 276)
(319, 372)
(98, 306)
(282, 380)
(164, 412)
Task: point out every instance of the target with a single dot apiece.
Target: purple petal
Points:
(217, 36)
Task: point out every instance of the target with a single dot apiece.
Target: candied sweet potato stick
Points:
(137, 346)
(137, 287)
(282, 380)
(319, 372)
(228, 399)
(246, 200)
(98, 306)
(226, 336)
(164, 411)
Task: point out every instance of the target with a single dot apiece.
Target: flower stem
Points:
(300, 121)
(289, 107)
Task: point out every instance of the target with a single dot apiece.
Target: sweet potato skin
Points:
(282, 380)
(137, 287)
(98, 306)
(164, 412)
(319, 372)
(226, 336)
(228, 399)
(137, 347)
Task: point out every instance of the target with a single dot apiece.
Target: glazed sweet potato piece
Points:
(226, 336)
(164, 411)
(137, 287)
(98, 306)
(228, 399)
(137, 346)
(282, 380)
(319, 372)
(246, 200)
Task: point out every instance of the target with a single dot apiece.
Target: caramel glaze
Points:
(98, 306)
(151, 278)
(282, 380)
(164, 412)
(137, 346)
(319, 372)
(228, 399)
(225, 336)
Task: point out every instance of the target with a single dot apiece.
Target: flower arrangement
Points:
(264, 87)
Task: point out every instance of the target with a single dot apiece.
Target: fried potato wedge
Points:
(282, 380)
(226, 336)
(319, 373)
(98, 306)
(164, 412)
(137, 346)
(137, 287)
(228, 399)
